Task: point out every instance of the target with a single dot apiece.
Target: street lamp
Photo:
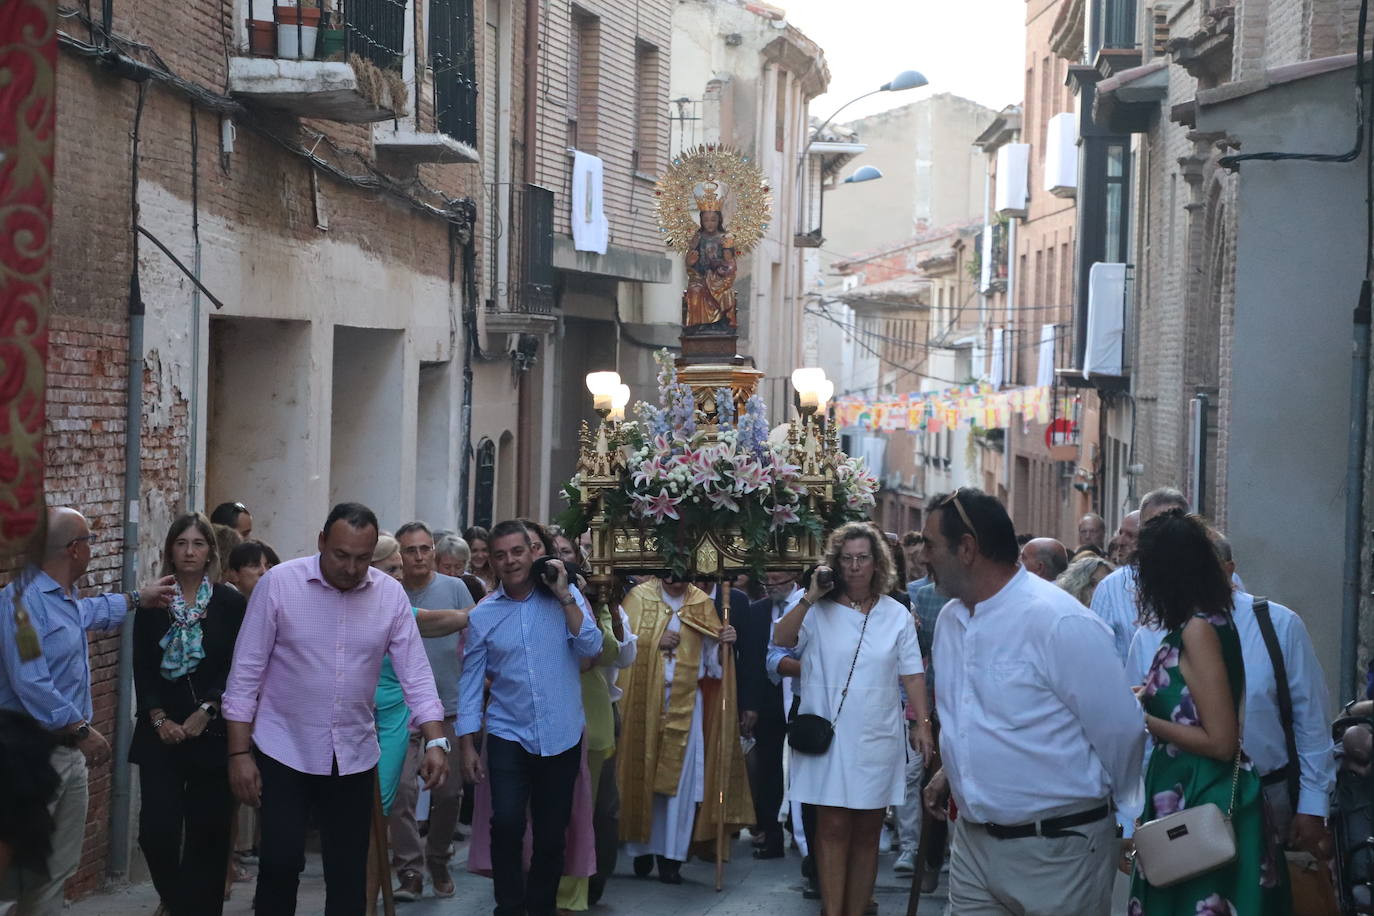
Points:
(907, 79)
(603, 386)
(867, 173)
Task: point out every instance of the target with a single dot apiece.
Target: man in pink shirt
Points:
(299, 709)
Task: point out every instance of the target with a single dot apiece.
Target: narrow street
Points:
(752, 888)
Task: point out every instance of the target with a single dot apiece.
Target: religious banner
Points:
(28, 58)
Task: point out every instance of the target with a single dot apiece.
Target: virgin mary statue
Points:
(709, 301)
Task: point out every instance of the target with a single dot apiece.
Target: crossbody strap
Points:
(845, 692)
(1285, 696)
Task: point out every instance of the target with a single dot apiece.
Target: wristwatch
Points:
(209, 709)
(441, 743)
(83, 731)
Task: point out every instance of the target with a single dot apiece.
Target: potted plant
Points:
(298, 27)
(262, 35)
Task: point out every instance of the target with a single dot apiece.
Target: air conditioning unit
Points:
(1013, 179)
(1061, 155)
(1105, 344)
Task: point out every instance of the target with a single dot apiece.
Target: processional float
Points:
(698, 484)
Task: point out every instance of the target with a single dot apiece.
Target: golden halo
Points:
(676, 203)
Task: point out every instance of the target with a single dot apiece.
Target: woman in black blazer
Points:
(182, 656)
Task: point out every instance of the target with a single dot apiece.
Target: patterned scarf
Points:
(181, 648)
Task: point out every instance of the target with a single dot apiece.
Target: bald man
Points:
(55, 688)
(1045, 557)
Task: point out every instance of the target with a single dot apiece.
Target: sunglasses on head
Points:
(953, 500)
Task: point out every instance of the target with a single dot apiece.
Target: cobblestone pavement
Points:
(752, 888)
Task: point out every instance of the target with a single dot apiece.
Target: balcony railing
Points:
(452, 57)
(532, 251)
(375, 30)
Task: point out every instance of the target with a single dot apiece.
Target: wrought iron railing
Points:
(453, 58)
(376, 31)
(532, 254)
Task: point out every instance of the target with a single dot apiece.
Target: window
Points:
(1066, 272)
(1046, 104)
(453, 60)
(485, 488)
(1051, 290)
(584, 64)
(1113, 25)
(1117, 215)
(780, 113)
(1039, 279)
(376, 30)
(644, 157)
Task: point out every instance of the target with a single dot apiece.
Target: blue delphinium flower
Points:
(725, 408)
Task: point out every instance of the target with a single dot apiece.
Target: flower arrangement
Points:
(681, 482)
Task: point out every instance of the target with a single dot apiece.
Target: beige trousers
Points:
(1033, 876)
(39, 895)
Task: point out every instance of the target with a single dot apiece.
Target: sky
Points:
(972, 48)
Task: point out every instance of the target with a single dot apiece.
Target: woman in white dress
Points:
(848, 631)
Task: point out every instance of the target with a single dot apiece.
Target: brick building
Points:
(1191, 258)
(349, 277)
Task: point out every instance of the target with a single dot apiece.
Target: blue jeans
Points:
(529, 789)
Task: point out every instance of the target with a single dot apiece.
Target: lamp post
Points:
(866, 173)
(907, 79)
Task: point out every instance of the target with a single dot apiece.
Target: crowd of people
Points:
(437, 682)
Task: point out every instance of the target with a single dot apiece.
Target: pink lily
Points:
(784, 514)
(749, 475)
(661, 506)
(703, 467)
(722, 499)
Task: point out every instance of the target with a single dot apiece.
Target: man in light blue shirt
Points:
(55, 688)
(529, 638)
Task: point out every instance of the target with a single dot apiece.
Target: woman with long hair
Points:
(856, 644)
(479, 544)
(182, 656)
(1192, 697)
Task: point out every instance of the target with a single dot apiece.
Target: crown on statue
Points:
(709, 199)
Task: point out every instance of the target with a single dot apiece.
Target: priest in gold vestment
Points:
(670, 732)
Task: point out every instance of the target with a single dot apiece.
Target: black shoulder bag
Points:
(1285, 697)
(812, 734)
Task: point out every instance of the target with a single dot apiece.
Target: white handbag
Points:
(1187, 843)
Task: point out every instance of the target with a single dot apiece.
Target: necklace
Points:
(861, 606)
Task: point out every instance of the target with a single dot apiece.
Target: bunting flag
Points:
(935, 411)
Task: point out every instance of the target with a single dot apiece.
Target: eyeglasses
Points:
(85, 537)
(418, 550)
(953, 499)
(855, 559)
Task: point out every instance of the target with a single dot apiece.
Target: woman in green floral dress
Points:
(1191, 698)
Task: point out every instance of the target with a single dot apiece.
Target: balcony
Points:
(530, 292)
(337, 63)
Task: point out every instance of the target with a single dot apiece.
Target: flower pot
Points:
(331, 43)
(262, 38)
(297, 30)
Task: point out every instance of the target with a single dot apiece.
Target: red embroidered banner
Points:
(28, 107)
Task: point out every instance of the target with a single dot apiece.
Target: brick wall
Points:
(629, 200)
(84, 453)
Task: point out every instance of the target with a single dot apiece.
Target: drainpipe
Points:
(531, 84)
(120, 802)
(1354, 498)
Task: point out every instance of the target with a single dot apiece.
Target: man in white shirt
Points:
(1300, 821)
(1040, 733)
(1115, 598)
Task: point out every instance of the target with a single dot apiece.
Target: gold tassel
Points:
(25, 635)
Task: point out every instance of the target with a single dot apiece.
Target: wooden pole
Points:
(380, 852)
(913, 899)
(727, 733)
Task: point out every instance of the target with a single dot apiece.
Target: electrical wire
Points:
(1232, 163)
